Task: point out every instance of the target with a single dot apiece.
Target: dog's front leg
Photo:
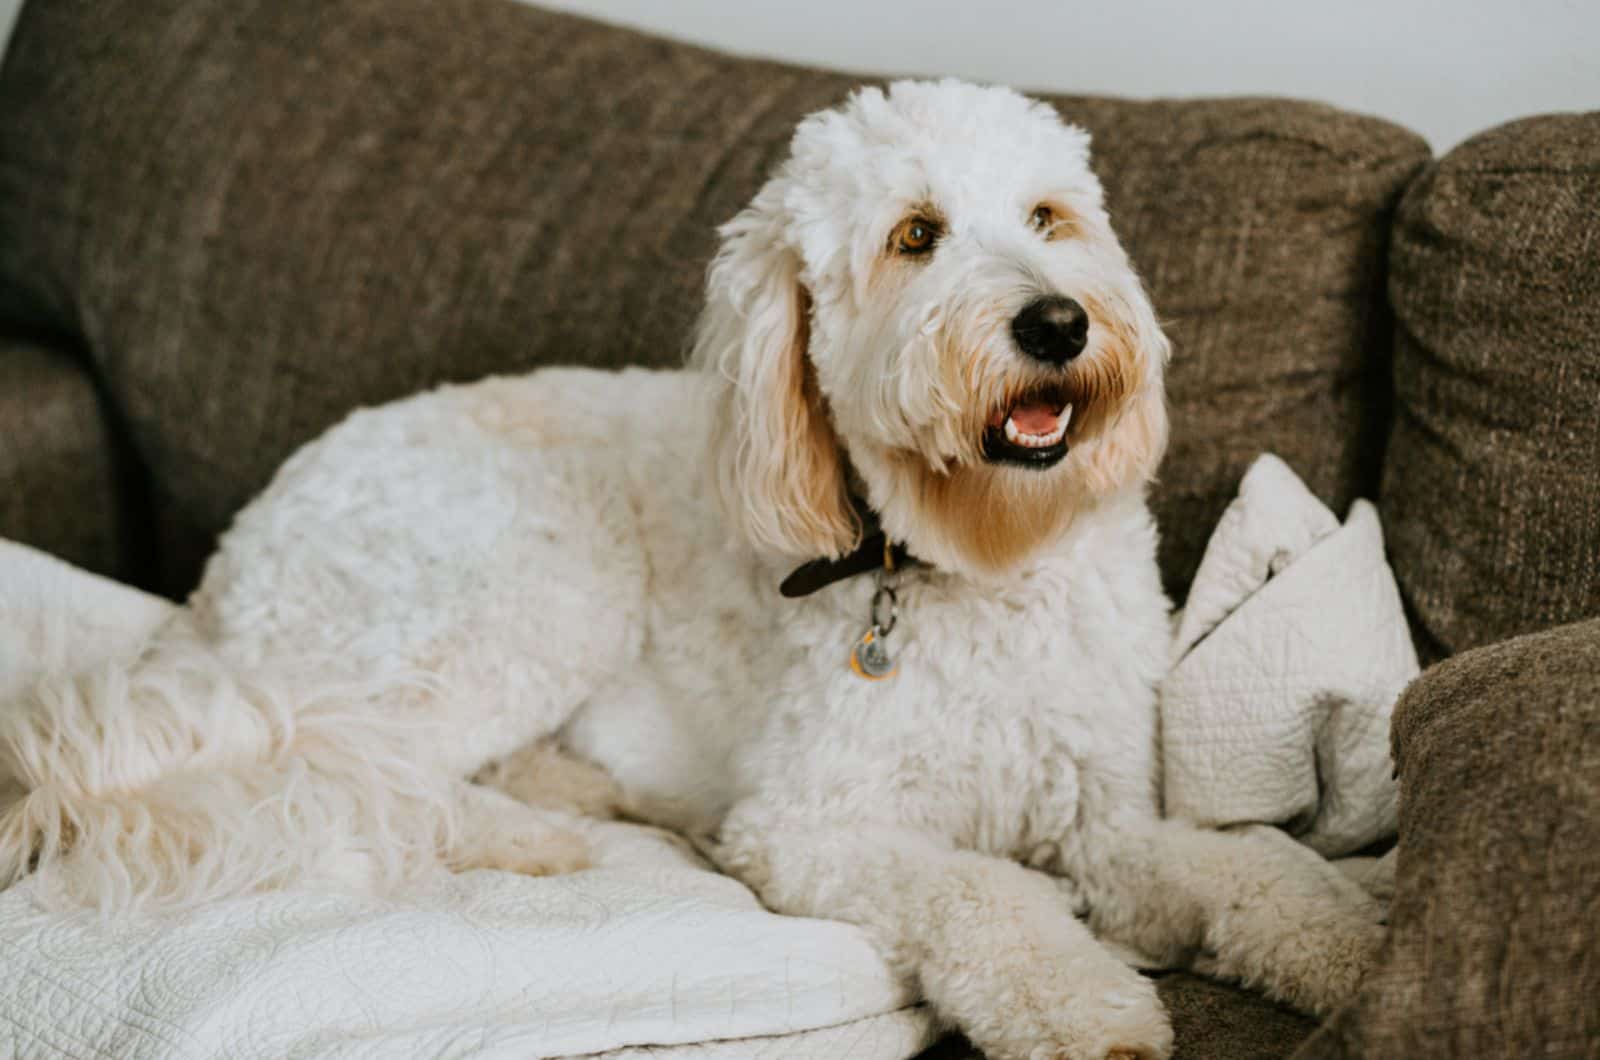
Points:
(994, 946)
(1252, 903)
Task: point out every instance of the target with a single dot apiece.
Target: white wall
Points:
(8, 18)
(1446, 68)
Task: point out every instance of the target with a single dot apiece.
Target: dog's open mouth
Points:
(1031, 431)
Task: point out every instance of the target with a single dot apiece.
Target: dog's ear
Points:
(781, 470)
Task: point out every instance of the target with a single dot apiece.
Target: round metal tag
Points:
(870, 657)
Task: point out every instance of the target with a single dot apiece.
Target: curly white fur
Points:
(437, 583)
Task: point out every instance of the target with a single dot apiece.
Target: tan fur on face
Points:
(1099, 384)
(1103, 381)
(1132, 449)
(1067, 224)
(1128, 409)
(994, 516)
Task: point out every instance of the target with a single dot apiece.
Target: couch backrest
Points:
(258, 216)
(1491, 493)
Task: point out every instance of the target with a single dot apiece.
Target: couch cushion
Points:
(1214, 1021)
(60, 488)
(260, 215)
(1494, 946)
(1491, 495)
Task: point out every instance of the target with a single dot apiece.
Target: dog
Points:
(926, 402)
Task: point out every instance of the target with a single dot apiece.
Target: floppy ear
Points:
(780, 469)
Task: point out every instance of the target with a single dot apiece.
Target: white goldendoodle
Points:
(926, 400)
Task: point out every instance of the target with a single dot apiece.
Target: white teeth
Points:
(1015, 436)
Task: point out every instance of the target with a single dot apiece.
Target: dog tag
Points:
(870, 657)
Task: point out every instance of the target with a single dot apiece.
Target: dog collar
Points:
(876, 552)
(870, 658)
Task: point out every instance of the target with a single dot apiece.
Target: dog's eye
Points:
(1044, 219)
(915, 235)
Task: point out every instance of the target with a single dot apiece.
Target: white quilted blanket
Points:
(1291, 651)
(649, 949)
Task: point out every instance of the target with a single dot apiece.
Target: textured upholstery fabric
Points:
(1495, 942)
(260, 215)
(60, 488)
(1491, 494)
(1216, 1022)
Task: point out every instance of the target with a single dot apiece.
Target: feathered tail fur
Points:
(180, 777)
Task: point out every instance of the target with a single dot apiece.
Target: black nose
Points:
(1053, 329)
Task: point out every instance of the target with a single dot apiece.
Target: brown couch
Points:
(223, 225)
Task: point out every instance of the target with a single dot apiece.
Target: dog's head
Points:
(927, 304)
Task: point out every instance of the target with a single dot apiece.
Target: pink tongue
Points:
(1036, 418)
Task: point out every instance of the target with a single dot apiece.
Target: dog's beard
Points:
(981, 517)
(957, 505)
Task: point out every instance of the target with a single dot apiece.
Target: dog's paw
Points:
(1332, 978)
(1318, 970)
(1115, 1026)
(1082, 1020)
(550, 852)
(541, 774)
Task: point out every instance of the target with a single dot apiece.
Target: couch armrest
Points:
(62, 487)
(1494, 948)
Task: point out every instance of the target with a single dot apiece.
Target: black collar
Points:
(873, 553)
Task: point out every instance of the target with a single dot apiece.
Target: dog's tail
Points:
(180, 778)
